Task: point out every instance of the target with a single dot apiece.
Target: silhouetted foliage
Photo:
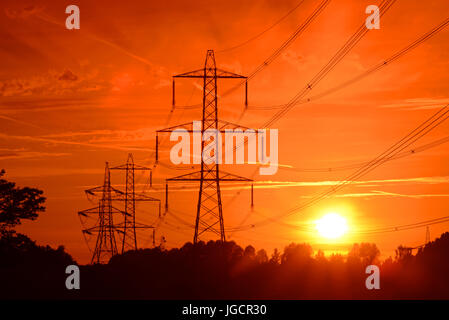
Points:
(212, 270)
(27, 270)
(18, 203)
(216, 270)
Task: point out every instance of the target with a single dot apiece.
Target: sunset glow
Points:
(332, 226)
(224, 150)
(73, 99)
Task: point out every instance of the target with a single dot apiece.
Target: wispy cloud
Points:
(418, 104)
(6, 154)
(19, 122)
(417, 180)
(377, 193)
(24, 12)
(51, 83)
(102, 136)
(76, 143)
(38, 12)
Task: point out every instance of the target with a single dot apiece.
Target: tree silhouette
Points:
(27, 269)
(17, 203)
(213, 269)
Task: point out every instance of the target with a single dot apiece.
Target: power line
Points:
(386, 62)
(341, 53)
(297, 227)
(371, 231)
(329, 67)
(264, 31)
(423, 129)
(361, 164)
(403, 227)
(277, 52)
(394, 57)
(371, 70)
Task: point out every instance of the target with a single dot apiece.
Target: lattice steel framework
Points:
(129, 224)
(209, 215)
(105, 246)
(106, 228)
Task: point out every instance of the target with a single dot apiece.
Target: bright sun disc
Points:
(331, 226)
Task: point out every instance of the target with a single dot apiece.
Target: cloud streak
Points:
(74, 143)
(20, 122)
(30, 155)
(418, 104)
(378, 193)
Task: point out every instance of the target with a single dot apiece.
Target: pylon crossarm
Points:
(139, 167)
(126, 167)
(229, 125)
(226, 176)
(200, 73)
(191, 74)
(186, 126)
(100, 189)
(137, 227)
(228, 75)
(223, 125)
(93, 191)
(196, 176)
(137, 197)
(96, 210)
(86, 212)
(90, 230)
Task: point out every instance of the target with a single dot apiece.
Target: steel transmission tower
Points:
(129, 224)
(105, 246)
(209, 215)
(105, 226)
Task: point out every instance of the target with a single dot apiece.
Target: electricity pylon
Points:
(209, 215)
(129, 224)
(106, 215)
(105, 246)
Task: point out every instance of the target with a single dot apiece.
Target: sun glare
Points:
(332, 226)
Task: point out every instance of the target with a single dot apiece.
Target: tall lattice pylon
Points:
(209, 215)
(129, 225)
(105, 246)
(111, 223)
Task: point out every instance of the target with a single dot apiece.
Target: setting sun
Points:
(332, 226)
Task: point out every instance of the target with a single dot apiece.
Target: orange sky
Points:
(71, 100)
